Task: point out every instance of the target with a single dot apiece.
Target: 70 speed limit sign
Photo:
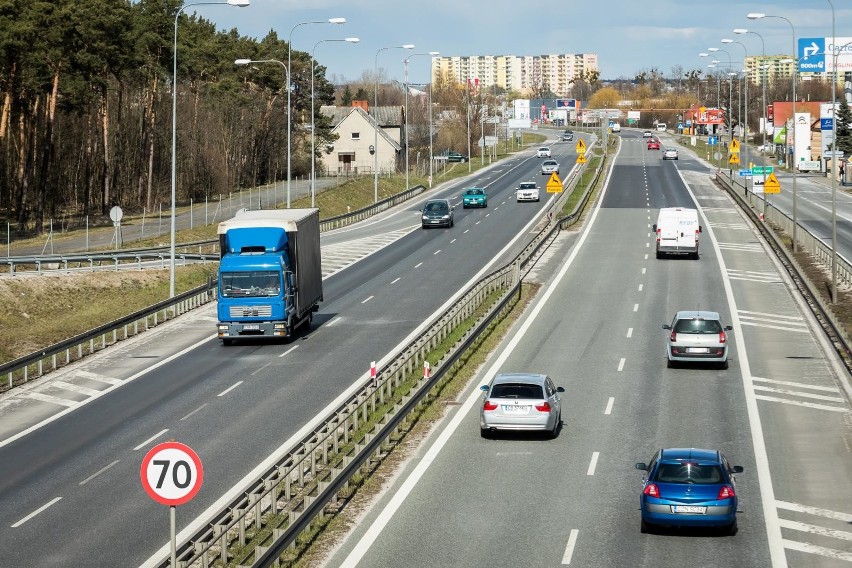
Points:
(171, 473)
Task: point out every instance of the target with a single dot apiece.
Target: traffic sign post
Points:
(734, 159)
(171, 474)
(772, 185)
(581, 158)
(554, 184)
(580, 147)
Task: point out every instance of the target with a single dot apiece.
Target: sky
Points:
(627, 35)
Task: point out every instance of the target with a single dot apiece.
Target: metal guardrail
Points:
(285, 500)
(24, 368)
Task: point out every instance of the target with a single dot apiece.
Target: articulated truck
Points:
(270, 274)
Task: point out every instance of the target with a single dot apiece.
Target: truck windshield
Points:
(248, 284)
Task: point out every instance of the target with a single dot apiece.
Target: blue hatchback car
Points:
(689, 487)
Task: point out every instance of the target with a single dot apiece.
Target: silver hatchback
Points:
(520, 401)
(697, 337)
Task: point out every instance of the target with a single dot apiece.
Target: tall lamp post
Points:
(313, 118)
(745, 102)
(376, 118)
(834, 52)
(290, 88)
(761, 67)
(239, 4)
(405, 61)
(760, 16)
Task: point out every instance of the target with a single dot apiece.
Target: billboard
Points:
(710, 116)
(817, 54)
(801, 137)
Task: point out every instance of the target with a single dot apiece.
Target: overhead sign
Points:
(811, 54)
(580, 147)
(734, 159)
(772, 185)
(734, 146)
(171, 473)
(581, 158)
(554, 184)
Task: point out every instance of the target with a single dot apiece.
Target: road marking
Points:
(194, 411)
(97, 473)
(49, 398)
(644, 270)
(97, 377)
(593, 464)
(827, 513)
(452, 241)
(436, 252)
(477, 223)
(646, 257)
(34, 513)
(609, 403)
(332, 322)
(75, 388)
(799, 385)
(647, 245)
(149, 440)
(418, 265)
(230, 388)
(629, 332)
(815, 529)
(820, 550)
(368, 299)
(394, 281)
(801, 403)
(501, 454)
(635, 307)
(621, 364)
(641, 286)
(256, 371)
(824, 397)
(569, 548)
(465, 231)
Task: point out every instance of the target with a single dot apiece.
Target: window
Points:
(516, 390)
(698, 326)
(688, 472)
(356, 136)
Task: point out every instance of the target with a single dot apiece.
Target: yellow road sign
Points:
(580, 147)
(734, 147)
(554, 184)
(772, 185)
(735, 159)
(581, 158)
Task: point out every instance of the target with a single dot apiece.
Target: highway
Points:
(781, 409)
(71, 445)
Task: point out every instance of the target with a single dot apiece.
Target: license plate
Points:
(697, 350)
(688, 509)
(515, 409)
(251, 327)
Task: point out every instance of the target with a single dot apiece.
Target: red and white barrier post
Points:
(427, 370)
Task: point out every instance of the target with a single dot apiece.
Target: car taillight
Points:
(726, 492)
(651, 490)
(696, 235)
(544, 407)
(722, 337)
(658, 238)
(489, 405)
(673, 337)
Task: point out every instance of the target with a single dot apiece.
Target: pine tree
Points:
(843, 129)
(346, 98)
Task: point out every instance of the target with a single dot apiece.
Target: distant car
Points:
(653, 144)
(697, 336)
(437, 213)
(474, 197)
(543, 152)
(549, 167)
(689, 487)
(768, 149)
(567, 137)
(520, 401)
(451, 156)
(670, 154)
(647, 134)
(527, 191)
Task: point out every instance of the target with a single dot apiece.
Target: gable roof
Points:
(339, 114)
(387, 116)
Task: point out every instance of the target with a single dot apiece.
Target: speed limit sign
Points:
(171, 473)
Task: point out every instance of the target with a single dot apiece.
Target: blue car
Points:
(689, 487)
(474, 197)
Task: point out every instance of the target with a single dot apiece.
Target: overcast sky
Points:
(627, 35)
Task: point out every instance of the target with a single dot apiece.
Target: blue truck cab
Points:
(270, 273)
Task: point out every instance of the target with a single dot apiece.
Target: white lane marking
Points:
(452, 241)
(488, 214)
(801, 403)
(74, 388)
(794, 384)
(149, 440)
(609, 404)
(815, 529)
(641, 286)
(569, 548)
(478, 222)
(407, 486)
(501, 454)
(629, 332)
(367, 300)
(97, 377)
(332, 322)
(621, 364)
(465, 231)
(230, 388)
(647, 245)
(820, 550)
(782, 328)
(394, 281)
(52, 399)
(824, 397)
(791, 318)
(646, 257)
(193, 412)
(418, 265)
(593, 464)
(644, 270)
(827, 513)
(36, 512)
(97, 473)
(436, 252)
(635, 307)
(258, 370)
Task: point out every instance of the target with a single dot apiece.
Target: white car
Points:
(543, 152)
(527, 191)
(670, 154)
(647, 134)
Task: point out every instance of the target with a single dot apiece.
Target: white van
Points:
(677, 232)
(616, 127)
(661, 127)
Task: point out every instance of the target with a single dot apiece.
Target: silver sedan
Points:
(520, 401)
(699, 337)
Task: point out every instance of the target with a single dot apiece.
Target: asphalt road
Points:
(780, 410)
(72, 445)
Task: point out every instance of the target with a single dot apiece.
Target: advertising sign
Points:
(826, 118)
(816, 54)
(570, 103)
(801, 136)
(710, 116)
(770, 113)
(633, 114)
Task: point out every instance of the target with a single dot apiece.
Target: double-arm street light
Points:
(239, 4)
(761, 67)
(290, 87)
(405, 61)
(313, 119)
(376, 126)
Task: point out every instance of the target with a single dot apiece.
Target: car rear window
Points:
(698, 326)
(516, 390)
(688, 472)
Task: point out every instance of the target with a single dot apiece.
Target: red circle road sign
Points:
(171, 473)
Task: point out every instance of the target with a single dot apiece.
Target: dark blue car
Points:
(689, 487)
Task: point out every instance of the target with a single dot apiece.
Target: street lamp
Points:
(290, 87)
(760, 16)
(762, 75)
(745, 97)
(313, 120)
(834, 52)
(376, 118)
(239, 4)
(405, 61)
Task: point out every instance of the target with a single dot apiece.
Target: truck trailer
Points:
(270, 273)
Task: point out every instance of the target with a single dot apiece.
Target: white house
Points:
(358, 137)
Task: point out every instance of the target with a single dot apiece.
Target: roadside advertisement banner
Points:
(801, 137)
(710, 116)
